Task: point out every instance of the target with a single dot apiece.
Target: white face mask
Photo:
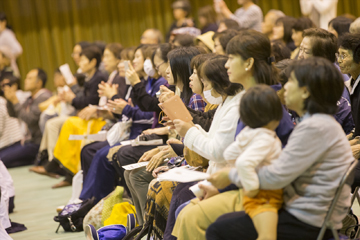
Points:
(148, 68)
(211, 99)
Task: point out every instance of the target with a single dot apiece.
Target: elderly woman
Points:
(349, 63)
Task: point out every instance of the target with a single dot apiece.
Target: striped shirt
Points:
(250, 18)
(10, 132)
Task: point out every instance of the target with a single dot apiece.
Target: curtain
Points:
(48, 29)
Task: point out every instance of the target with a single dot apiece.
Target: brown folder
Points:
(174, 108)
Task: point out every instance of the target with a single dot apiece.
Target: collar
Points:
(41, 91)
(352, 90)
(300, 119)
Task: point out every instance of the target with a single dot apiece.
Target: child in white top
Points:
(255, 146)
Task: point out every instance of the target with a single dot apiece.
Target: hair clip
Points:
(270, 60)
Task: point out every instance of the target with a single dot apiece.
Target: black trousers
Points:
(239, 226)
(18, 155)
(87, 154)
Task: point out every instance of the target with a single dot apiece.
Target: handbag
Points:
(72, 216)
(119, 132)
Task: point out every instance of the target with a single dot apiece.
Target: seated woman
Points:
(89, 62)
(178, 73)
(160, 192)
(99, 178)
(323, 156)
(249, 64)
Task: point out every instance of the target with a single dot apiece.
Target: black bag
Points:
(72, 216)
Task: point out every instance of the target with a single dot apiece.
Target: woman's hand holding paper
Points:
(182, 127)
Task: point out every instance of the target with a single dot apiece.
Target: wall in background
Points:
(48, 29)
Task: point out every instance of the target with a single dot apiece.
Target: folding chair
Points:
(346, 179)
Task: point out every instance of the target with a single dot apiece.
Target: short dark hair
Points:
(303, 23)
(180, 59)
(351, 41)
(101, 45)
(252, 44)
(164, 50)
(259, 106)
(197, 63)
(12, 79)
(341, 25)
(182, 4)
(280, 51)
(214, 70)
(83, 44)
(323, 81)
(288, 23)
(115, 48)
(324, 43)
(225, 36)
(230, 23)
(284, 68)
(41, 75)
(185, 40)
(92, 52)
(208, 13)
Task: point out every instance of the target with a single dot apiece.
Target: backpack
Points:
(72, 216)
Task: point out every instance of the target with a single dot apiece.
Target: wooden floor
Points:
(35, 206)
(36, 202)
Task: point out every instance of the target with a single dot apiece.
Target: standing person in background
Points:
(248, 16)
(181, 12)
(269, 22)
(207, 19)
(8, 38)
(319, 11)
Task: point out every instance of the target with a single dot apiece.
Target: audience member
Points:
(7, 62)
(221, 40)
(8, 39)
(10, 132)
(228, 24)
(280, 51)
(184, 40)
(151, 36)
(207, 19)
(320, 11)
(339, 25)
(248, 16)
(310, 183)
(300, 25)
(282, 31)
(77, 51)
(349, 63)
(29, 112)
(318, 42)
(269, 22)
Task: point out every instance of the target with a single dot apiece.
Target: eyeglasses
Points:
(158, 66)
(340, 56)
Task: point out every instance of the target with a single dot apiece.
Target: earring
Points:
(246, 69)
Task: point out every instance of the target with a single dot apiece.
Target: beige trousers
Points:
(51, 134)
(195, 218)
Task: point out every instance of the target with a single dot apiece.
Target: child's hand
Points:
(251, 193)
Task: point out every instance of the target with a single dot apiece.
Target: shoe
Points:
(41, 170)
(61, 184)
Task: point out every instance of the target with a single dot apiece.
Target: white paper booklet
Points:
(100, 136)
(66, 72)
(135, 165)
(182, 174)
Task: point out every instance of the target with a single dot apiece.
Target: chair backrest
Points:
(348, 178)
